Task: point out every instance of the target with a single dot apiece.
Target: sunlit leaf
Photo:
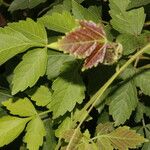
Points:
(121, 138)
(29, 70)
(10, 128)
(42, 96)
(21, 107)
(35, 133)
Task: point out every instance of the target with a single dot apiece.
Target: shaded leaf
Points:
(137, 3)
(10, 128)
(82, 13)
(29, 69)
(123, 101)
(59, 22)
(129, 73)
(68, 90)
(18, 37)
(4, 95)
(59, 8)
(142, 80)
(23, 4)
(42, 96)
(65, 125)
(50, 140)
(56, 61)
(130, 43)
(140, 111)
(146, 145)
(35, 133)
(21, 107)
(124, 21)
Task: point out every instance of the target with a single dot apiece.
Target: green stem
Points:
(53, 45)
(99, 93)
(44, 112)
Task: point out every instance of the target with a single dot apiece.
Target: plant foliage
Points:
(75, 75)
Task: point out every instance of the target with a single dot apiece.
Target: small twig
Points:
(136, 62)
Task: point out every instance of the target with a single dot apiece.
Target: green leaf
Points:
(10, 128)
(132, 43)
(63, 22)
(18, 37)
(83, 13)
(142, 80)
(140, 111)
(35, 133)
(129, 73)
(56, 61)
(50, 140)
(104, 128)
(123, 101)
(23, 4)
(68, 90)
(68, 135)
(59, 8)
(146, 145)
(137, 3)
(130, 22)
(63, 127)
(42, 96)
(4, 95)
(29, 69)
(21, 107)
(129, 42)
(122, 139)
(85, 144)
(31, 30)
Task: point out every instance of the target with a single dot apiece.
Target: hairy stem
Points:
(100, 92)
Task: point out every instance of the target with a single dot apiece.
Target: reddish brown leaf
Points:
(88, 41)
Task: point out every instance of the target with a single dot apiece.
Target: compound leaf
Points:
(123, 101)
(18, 37)
(35, 133)
(63, 22)
(42, 96)
(21, 107)
(10, 128)
(29, 69)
